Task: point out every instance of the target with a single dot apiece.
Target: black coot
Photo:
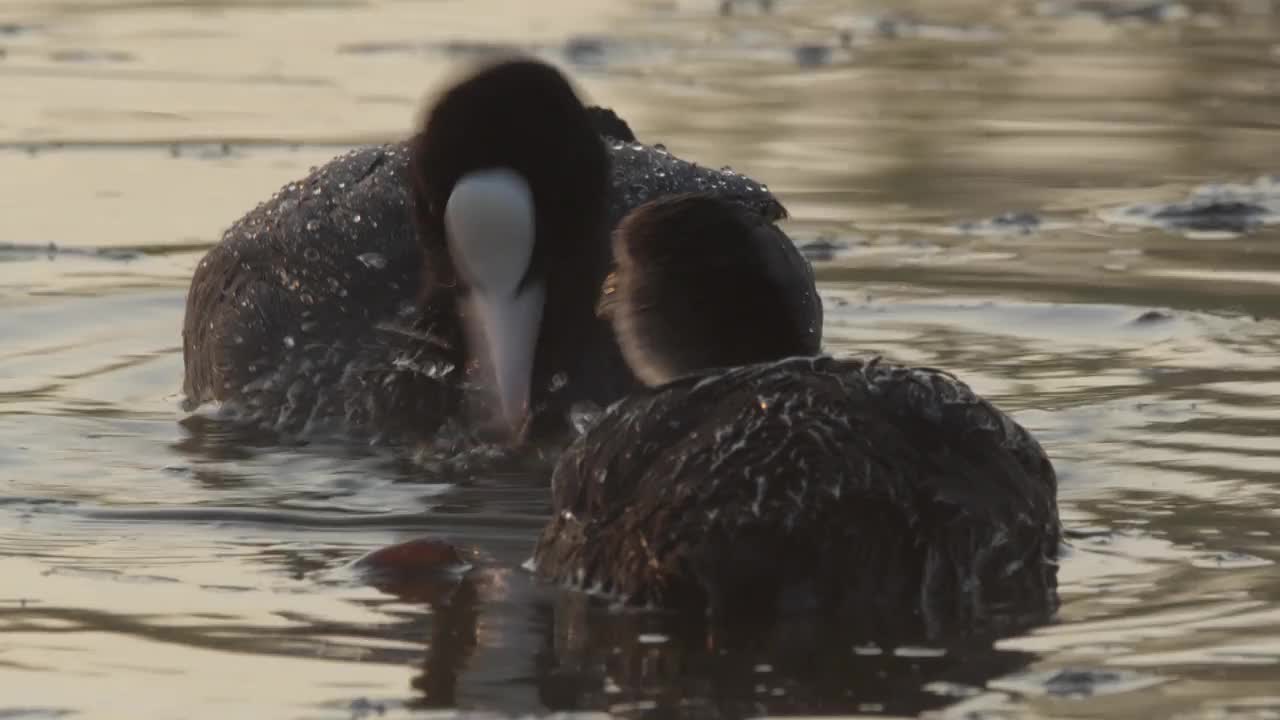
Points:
(754, 478)
(357, 294)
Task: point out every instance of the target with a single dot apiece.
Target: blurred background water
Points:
(1070, 204)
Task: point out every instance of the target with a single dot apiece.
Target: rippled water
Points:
(1067, 203)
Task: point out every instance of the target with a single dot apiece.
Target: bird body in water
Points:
(754, 477)
(347, 298)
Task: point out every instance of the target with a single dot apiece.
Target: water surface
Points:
(1069, 204)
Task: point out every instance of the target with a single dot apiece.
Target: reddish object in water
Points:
(419, 570)
(420, 555)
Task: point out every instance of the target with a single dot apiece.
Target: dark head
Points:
(510, 183)
(700, 283)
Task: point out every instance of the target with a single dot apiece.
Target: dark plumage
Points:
(802, 483)
(724, 272)
(337, 300)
